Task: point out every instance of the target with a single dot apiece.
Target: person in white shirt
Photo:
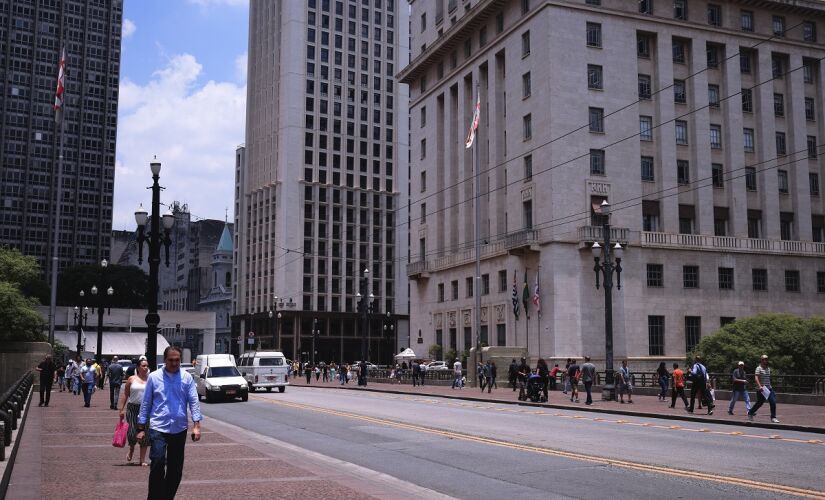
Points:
(457, 374)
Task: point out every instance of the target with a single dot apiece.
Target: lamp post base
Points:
(608, 392)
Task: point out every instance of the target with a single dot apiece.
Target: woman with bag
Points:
(664, 378)
(130, 407)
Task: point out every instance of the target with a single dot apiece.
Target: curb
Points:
(6, 479)
(687, 418)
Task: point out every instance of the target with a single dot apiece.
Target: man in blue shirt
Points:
(165, 399)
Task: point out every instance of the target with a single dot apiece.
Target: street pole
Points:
(477, 235)
(314, 334)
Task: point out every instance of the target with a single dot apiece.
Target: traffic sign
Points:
(250, 341)
(250, 334)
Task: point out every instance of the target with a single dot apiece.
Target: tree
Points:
(19, 319)
(435, 351)
(130, 284)
(450, 356)
(17, 268)
(795, 345)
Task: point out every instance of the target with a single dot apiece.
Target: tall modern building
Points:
(31, 36)
(321, 182)
(701, 124)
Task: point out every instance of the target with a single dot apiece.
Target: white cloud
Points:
(192, 127)
(129, 28)
(241, 66)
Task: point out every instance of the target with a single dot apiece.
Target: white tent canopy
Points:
(119, 343)
(406, 355)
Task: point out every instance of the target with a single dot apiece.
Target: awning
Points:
(406, 354)
(114, 343)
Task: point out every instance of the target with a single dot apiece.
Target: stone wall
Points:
(18, 357)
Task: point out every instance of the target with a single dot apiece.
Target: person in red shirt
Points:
(678, 386)
(553, 373)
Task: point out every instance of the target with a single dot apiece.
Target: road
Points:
(492, 450)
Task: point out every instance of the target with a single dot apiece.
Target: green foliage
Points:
(435, 351)
(17, 268)
(450, 356)
(795, 345)
(19, 320)
(129, 283)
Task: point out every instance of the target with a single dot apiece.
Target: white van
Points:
(264, 369)
(217, 377)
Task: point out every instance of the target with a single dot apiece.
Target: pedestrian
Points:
(488, 377)
(308, 372)
(130, 402)
(480, 375)
(416, 371)
(88, 378)
(762, 377)
(362, 372)
(624, 383)
(73, 376)
(565, 377)
(456, 374)
(101, 366)
(739, 387)
(588, 376)
(333, 371)
(664, 378)
(168, 394)
(698, 377)
(554, 372)
(523, 374)
(61, 377)
(678, 389)
(512, 373)
(48, 374)
(543, 371)
(423, 374)
(573, 375)
(493, 374)
(115, 375)
(317, 373)
(343, 374)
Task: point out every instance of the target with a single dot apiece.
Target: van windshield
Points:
(271, 362)
(223, 371)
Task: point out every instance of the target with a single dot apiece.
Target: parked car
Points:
(370, 366)
(438, 366)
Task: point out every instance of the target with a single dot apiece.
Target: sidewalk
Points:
(792, 417)
(66, 452)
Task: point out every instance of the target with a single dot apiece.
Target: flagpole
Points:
(477, 293)
(538, 306)
(60, 116)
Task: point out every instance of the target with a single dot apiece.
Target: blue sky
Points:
(182, 98)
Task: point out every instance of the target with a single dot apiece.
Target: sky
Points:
(182, 98)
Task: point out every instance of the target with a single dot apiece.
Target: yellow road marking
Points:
(624, 464)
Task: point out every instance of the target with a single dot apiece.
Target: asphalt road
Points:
(489, 450)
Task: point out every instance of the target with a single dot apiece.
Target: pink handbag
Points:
(121, 429)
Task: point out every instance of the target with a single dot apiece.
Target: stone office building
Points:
(699, 122)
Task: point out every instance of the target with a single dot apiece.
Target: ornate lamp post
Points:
(81, 317)
(275, 315)
(389, 330)
(315, 334)
(101, 306)
(154, 238)
(364, 305)
(611, 261)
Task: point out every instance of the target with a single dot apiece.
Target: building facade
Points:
(322, 177)
(699, 123)
(218, 297)
(31, 37)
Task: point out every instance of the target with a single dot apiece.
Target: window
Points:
(744, 62)
(644, 87)
(777, 67)
(726, 278)
(596, 117)
(759, 277)
(647, 169)
(525, 44)
(713, 96)
(468, 284)
(813, 180)
(646, 128)
(423, 22)
(781, 149)
(454, 290)
(718, 175)
(528, 167)
(693, 332)
(748, 140)
(655, 277)
(779, 105)
(646, 6)
(527, 123)
(423, 116)
(678, 51)
(810, 114)
(715, 136)
(812, 147)
(423, 213)
(656, 335)
(423, 148)
(423, 181)
(778, 24)
(643, 46)
(746, 18)
(682, 172)
(791, 280)
(594, 77)
(754, 223)
(440, 292)
(809, 31)
(525, 6)
(820, 281)
(597, 162)
(502, 281)
(594, 35)
(714, 15)
(526, 85)
(485, 284)
(786, 226)
(679, 92)
(527, 210)
(681, 132)
(807, 71)
(750, 178)
(783, 181)
(747, 101)
(482, 36)
(650, 215)
(690, 276)
(680, 9)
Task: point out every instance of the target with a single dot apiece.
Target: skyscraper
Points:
(321, 179)
(32, 34)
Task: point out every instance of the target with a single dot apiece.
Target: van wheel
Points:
(209, 398)
(269, 389)
(245, 397)
(281, 389)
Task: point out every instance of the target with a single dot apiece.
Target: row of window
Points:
(759, 278)
(692, 331)
(468, 284)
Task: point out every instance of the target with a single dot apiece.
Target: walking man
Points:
(739, 388)
(47, 371)
(456, 374)
(564, 375)
(488, 376)
(512, 372)
(678, 386)
(573, 374)
(416, 371)
(168, 394)
(762, 377)
(115, 375)
(624, 383)
(588, 377)
(698, 376)
(88, 376)
(73, 376)
(480, 375)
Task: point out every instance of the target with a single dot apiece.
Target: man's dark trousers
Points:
(588, 386)
(166, 453)
(678, 391)
(114, 394)
(45, 391)
(698, 388)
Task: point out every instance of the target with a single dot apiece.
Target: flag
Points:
(515, 296)
(471, 135)
(61, 83)
(525, 294)
(536, 298)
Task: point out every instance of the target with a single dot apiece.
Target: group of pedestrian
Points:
(487, 374)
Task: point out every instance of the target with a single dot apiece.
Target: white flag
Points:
(471, 135)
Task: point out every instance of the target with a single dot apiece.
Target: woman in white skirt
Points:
(130, 401)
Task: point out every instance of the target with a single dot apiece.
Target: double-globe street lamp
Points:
(81, 317)
(275, 315)
(155, 239)
(316, 333)
(389, 330)
(101, 304)
(608, 260)
(364, 310)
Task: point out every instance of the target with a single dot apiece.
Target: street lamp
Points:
(363, 311)
(315, 334)
(611, 261)
(101, 305)
(275, 315)
(80, 320)
(154, 238)
(389, 330)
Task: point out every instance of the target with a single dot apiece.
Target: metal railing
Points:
(11, 409)
(731, 243)
(781, 384)
(594, 233)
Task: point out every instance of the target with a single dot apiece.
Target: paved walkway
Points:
(790, 416)
(66, 452)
